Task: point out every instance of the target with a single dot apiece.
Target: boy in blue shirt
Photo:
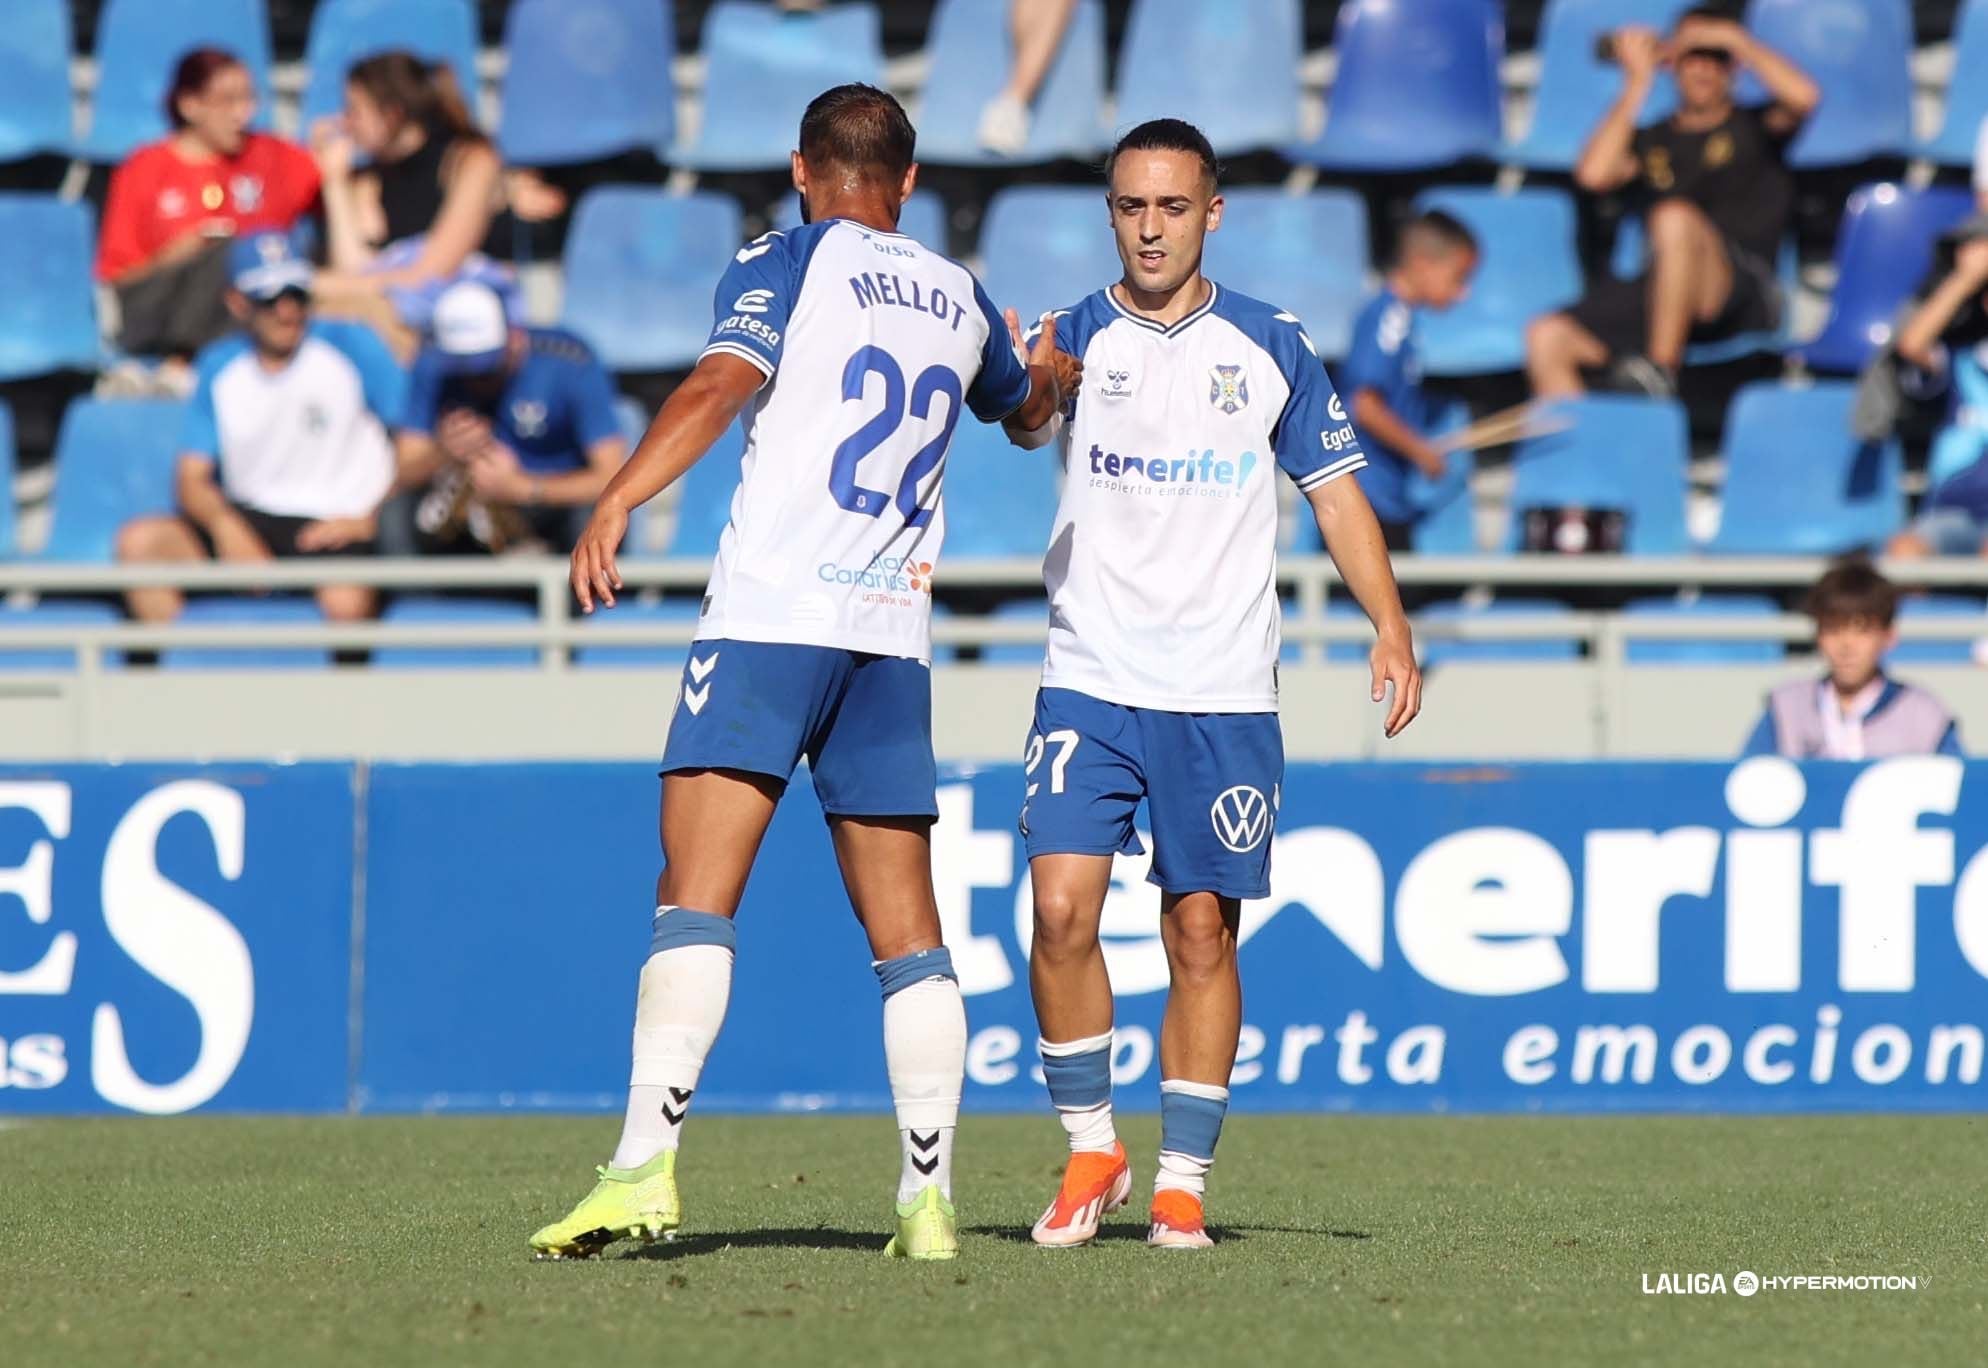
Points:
(1434, 259)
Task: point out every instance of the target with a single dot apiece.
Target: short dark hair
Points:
(1854, 589)
(1167, 135)
(1705, 11)
(1435, 232)
(860, 128)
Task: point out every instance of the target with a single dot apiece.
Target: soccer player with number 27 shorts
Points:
(1161, 674)
(853, 352)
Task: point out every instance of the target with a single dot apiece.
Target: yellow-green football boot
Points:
(926, 1228)
(634, 1204)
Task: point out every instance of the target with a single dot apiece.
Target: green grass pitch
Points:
(1348, 1240)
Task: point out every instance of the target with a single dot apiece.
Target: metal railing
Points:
(1312, 581)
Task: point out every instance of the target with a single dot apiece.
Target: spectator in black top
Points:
(1721, 189)
(410, 189)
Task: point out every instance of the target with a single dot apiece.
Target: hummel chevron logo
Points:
(698, 692)
(926, 1144)
(681, 1096)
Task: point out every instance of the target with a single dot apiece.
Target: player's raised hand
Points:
(1067, 369)
(594, 575)
(1393, 661)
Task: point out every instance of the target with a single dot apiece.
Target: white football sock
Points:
(1091, 1130)
(925, 1049)
(1182, 1171)
(681, 1006)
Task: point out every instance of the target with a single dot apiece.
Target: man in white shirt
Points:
(285, 449)
(1161, 675)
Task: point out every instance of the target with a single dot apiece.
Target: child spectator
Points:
(512, 431)
(285, 450)
(413, 219)
(174, 204)
(1433, 261)
(1855, 711)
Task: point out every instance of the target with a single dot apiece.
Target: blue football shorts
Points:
(1211, 783)
(862, 722)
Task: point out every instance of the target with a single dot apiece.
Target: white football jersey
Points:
(1162, 563)
(873, 347)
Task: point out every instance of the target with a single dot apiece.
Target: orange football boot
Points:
(1093, 1184)
(1177, 1222)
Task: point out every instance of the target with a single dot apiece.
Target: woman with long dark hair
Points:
(410, 220)
(174, 205)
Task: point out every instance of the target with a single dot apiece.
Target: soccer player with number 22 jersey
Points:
(1161, 674)
(852, 352)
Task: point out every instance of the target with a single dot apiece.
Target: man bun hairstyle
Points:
(1167, 135)
(861, 129)
(1853, 590)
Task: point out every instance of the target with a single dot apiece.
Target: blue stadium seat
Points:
(1417, 86)
(1000, 499)
(287, 611)
(1033, 610)
(48, 659)
(1703, 650)
(114, 461)
(1967, 92)
(1046, 247)
(1575, 88)
(35, 48)
(1528, 268)
(640, 266)
(636, 657)
(923, 219)
(6, 482)
(1955, 651)
(346, 32)
(50, 321)
(1883, 251)
(1621, 452)
(443, 612)
(139, 42)
(1798, 482)
(761, 67)
(1450, 651)
(586, 79)
(704, 505)
(970, 52)
(1304, 253)
(1859, 52)
(1230, 71)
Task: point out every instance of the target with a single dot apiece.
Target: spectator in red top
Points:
(175, 204)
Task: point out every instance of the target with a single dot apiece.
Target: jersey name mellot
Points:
(1162, 565)
(873, 348)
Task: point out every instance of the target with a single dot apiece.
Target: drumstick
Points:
(1505, 426)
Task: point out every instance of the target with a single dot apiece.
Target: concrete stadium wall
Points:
(1471, 712)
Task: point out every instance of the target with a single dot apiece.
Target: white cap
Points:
(470, 329)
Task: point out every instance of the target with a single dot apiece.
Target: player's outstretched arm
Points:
(1353, 539)
(694, 416)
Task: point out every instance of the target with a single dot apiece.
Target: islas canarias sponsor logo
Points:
(1198, 470)
(898, 580)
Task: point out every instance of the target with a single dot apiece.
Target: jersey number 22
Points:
(932, 382)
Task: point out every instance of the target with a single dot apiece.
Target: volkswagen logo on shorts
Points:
(1241, 818)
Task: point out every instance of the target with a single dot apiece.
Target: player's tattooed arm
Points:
(1053, 377)
(694, 416)
(1353, 539)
